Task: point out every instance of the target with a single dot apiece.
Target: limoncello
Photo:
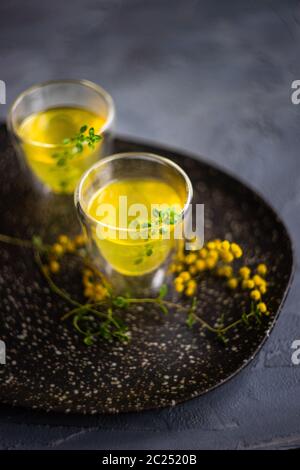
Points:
(133, 234)
(45, 135)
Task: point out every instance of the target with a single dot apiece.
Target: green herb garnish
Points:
(75, 145)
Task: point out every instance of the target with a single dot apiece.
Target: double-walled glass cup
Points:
(45, 123)
(136, 254)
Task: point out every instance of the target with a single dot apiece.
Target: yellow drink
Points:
(134, 244)
(43, 136)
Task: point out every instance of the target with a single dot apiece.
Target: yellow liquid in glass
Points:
(43, 134)
(134, 255)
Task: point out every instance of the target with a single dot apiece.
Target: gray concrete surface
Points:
(212, 77)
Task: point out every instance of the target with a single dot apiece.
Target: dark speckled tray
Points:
(48, 367)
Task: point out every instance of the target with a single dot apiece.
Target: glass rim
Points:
(87, 83)
(123, 155)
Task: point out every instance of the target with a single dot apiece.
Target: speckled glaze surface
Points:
(48, 367)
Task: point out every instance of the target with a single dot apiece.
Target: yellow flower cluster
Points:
(63, 245)
(218, 256)
(215, 254)
(93, 287)
(184, 283)
(255, 283)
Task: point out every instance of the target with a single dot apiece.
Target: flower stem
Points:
(16, 241)
(109, 302)
(54, 287)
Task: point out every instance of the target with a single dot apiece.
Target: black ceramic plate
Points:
(48, 367)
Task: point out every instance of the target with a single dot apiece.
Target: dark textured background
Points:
(211, 77)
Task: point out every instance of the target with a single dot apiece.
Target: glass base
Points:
(146, 285)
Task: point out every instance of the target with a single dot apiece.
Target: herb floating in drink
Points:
(58, 147)
(76, 145)
(100, 315)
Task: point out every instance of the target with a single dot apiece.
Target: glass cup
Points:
(45, 122)
(135, 256)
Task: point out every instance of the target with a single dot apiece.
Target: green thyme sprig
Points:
(101, 319)
(161, 219)
(75, 145)
(154, 227)
(145, 252)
